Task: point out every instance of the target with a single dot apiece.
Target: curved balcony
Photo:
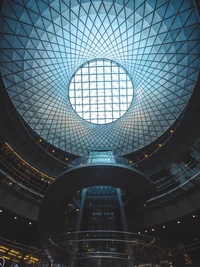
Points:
(107, 246)
(14, 252)
(95, 247)
(172, 182)
(20, 176)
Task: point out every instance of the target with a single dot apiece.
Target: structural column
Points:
(78, 227)
(125, 228)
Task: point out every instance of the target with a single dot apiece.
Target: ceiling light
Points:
(178, 222)
(193, 216)
(30, 223)
(152, 230)
(163, 227)
(15, 218)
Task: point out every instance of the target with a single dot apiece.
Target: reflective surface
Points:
(43, 43)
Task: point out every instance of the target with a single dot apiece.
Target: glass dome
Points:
(44, 43)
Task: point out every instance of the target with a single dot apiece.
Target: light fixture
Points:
(159, 145)
(1, 210)
(163, 227)
(178, 222)
(30, 223)
(15, 218)
(193, 216)
(152, 230)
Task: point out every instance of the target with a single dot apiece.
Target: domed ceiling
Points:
(44, 42)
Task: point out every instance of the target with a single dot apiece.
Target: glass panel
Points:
(105, 85)
(101, 156)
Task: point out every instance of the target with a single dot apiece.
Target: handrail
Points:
(109, 232)
(18, 173)
(175, 189)
(17, 178)
(166, 186)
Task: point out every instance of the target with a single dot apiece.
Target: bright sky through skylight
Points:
(100, 91)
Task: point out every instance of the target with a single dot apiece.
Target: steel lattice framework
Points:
(44, 42)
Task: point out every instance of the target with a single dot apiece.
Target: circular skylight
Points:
(101, 91)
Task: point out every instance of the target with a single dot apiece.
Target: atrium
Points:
(100, 133)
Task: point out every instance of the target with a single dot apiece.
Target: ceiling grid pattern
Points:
(44, 42)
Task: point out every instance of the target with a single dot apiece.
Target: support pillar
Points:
(78, 227)
(125, 228)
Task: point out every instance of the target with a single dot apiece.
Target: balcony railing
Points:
(107, 245)
(180, 179)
